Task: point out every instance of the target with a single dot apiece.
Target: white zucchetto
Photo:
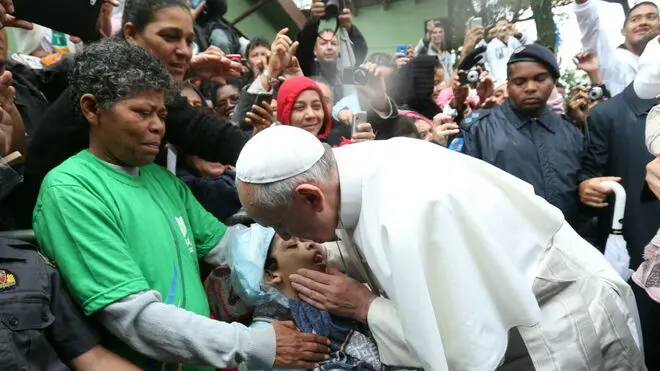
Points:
(278, 153)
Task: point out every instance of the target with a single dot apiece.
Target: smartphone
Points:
(260, 98)
(57, 15)
(359, 117)
(195, 3)
(476, 22)
(403, 49)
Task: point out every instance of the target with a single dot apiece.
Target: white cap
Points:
(278, 153)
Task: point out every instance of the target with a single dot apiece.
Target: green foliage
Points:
(571, 78)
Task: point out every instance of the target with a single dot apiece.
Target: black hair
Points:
(401, 126)
(215, 8)
(412, 85)
(381, 59)
(641, 3)
(271, 262)
(141, 12)
(256, 42)
(560, 85)
(113, 69)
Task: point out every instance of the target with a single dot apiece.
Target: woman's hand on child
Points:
(295, 349)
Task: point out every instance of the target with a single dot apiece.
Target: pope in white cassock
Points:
(479, 271)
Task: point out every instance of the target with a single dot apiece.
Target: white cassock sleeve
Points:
(382, 318)
(386, 328)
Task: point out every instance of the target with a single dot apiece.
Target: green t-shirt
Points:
(112, 234)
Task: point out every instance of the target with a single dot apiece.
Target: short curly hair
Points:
(113, 70)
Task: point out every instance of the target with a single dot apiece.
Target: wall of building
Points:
(401, 23)
(265, 22)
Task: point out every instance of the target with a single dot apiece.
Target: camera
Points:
(332, 8)
(598, 92)
(469, 77)
(356, 76)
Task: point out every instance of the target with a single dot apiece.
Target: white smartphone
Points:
(359, 117)
(476, 22)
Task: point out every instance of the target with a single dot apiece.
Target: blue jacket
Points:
(543, 151)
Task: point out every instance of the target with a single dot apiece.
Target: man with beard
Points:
(618, 66)
(319, 51)
(524, 138)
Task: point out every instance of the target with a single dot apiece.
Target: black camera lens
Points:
(360, 77)
(473, 76)
(596, 93)
(332, 8)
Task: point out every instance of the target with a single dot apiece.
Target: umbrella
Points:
(616, 252)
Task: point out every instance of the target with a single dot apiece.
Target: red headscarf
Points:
(289, 91)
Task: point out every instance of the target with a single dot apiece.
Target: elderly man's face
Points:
(326, 48)
(311, 215)
(130, 133)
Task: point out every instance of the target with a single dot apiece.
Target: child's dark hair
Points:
(255, 43)
(271, 262)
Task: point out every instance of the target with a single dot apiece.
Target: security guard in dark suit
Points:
(525, 139)
(41, 329)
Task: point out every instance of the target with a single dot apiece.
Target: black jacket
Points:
(40, 325)
(35, 89)
(543, 151)
(64, 132)
(310, 65)
(617, 148)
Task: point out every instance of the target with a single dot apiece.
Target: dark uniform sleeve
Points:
(596, 153)
(70, 334)
(469, 132)
(360, 48)
(307, 40)
(206, 136)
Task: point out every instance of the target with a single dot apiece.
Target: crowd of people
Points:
(174, 196)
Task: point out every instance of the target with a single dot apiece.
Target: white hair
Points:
(280, 194)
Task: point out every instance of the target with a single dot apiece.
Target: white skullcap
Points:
(278, 153)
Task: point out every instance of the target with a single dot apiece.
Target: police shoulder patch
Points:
(7, 279)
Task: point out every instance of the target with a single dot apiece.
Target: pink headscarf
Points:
(447, 94)
(416, 116)
(556, 102)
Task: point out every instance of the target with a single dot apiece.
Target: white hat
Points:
(278, 153)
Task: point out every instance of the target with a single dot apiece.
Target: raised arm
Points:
(595, 39)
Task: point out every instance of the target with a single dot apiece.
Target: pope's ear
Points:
(312, 195)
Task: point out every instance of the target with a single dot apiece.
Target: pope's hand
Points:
(333, 291)
(593, 194)
(295, 349)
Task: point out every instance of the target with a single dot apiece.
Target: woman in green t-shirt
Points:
(127, 234)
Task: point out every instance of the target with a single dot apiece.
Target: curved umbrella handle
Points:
(619, 204)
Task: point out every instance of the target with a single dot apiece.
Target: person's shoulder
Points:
(27, 252)
(477, 119)
(70, 172)
(568, 127)
(163, 177)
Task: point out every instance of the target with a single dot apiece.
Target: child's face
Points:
(291, 256)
